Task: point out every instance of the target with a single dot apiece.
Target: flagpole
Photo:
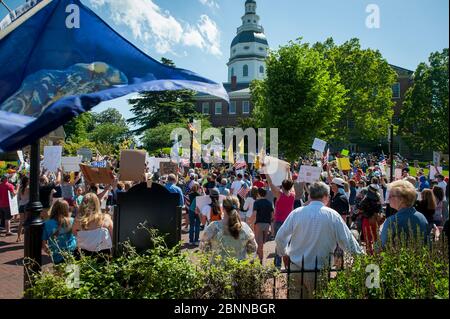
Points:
(4, 4)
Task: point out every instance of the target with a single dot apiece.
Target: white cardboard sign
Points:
(309, 174)
(276, 169)
(52, 158)
(71, 164)
(433, 171)
(319, 145)
(13, 204)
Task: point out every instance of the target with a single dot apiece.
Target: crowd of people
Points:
(357, 211)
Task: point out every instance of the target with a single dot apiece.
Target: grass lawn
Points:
(413, 170)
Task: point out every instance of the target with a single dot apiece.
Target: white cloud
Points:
(149, 24)
(210, 3)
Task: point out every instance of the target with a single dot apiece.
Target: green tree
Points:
(78, 129)
(368, 80)
(299, 97)
(110, 128)
(159, 137)
(156, 108)
(424, 118)
(110, 116)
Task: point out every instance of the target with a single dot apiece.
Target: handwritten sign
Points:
(398, 173)
(96, 175)
(13, 204)
(71, 164)
(52, 158)
(309, 174)
(319, 145)
(167, 168)
(132, 165)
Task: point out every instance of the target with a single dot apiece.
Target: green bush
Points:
(160, 273)
(406, 272)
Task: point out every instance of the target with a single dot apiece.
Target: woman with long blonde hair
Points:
(94, 229)
(230, 237)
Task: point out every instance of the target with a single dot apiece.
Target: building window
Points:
(396, 91)
(232, 107)
(245, 70)
(246, 48)
(261, 69)
(218, 108)
(246, 107)
(205, 108)
(261, 49)
(232, 71)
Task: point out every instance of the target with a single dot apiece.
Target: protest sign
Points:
(436, 159)
(99, 164)
(132, 165)
(153, 163)
(166, 168)
(85, 153)
(202, 201)
(319, 145)
(344, 164)
(20, 155)
(13, 204)
(434, 172)
(309, 174)
(276, 169)
(52, 158)
(71, 164)
(345, 152)
(96, 175)
(2, 164)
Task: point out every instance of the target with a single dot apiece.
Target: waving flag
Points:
(59, 59)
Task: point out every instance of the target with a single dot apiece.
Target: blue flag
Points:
(59, 59)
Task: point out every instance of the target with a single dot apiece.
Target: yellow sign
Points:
(2, 164)
(344, 164)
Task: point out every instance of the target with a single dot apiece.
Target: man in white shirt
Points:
(441, 183)
(309, 232)
(237, 185)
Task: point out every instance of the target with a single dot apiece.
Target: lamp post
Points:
(391, 152)
(34, 224)
(191, 130)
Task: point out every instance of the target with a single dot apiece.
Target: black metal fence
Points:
(317, 272)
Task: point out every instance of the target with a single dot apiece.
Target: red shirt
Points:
(4, 189)
(259, 184)
(284, 206)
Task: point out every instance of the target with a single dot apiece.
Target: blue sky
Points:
(196, 34)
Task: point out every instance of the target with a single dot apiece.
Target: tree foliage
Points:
(152, 109)
(368, 80)
(299, 97)
(424, 118)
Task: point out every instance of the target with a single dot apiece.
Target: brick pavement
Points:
(11, 266)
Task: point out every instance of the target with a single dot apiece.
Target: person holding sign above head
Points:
(5, 211)
(284, 205)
